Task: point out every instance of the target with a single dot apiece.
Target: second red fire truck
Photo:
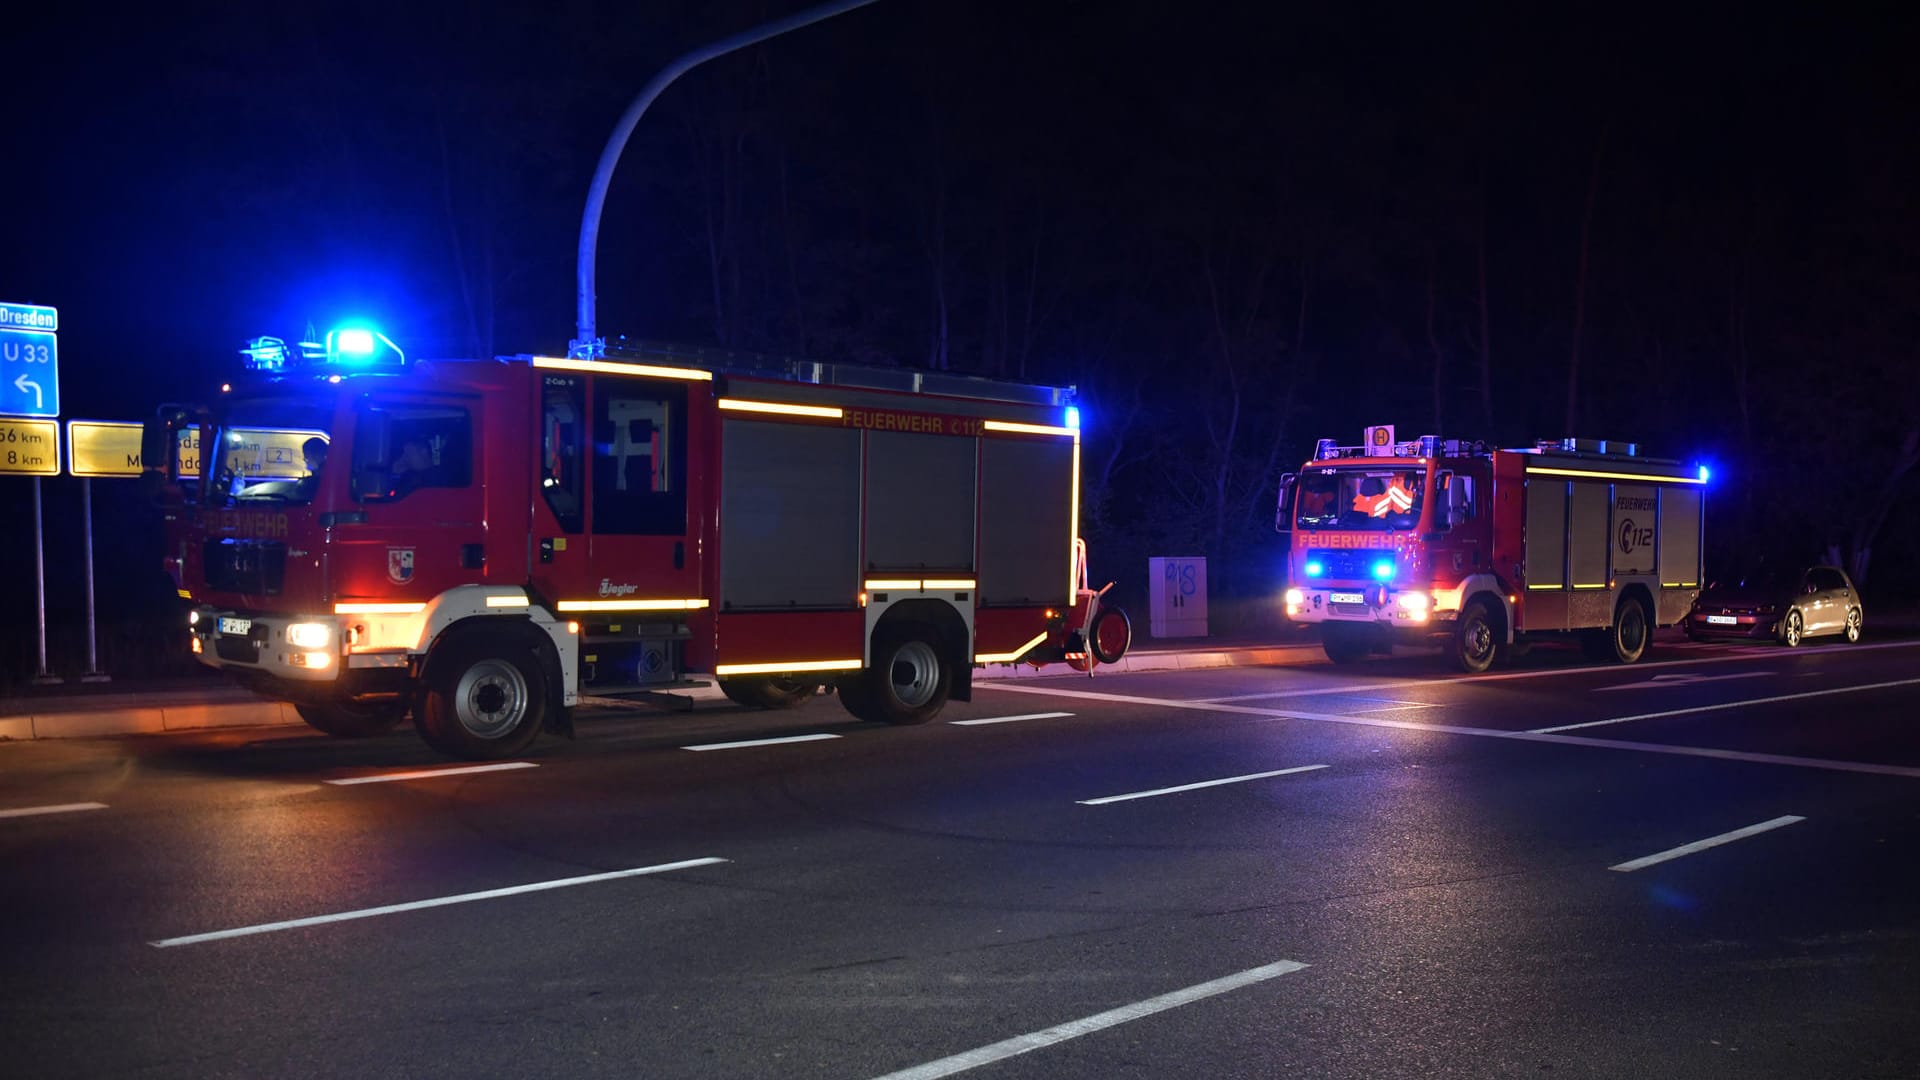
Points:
(480, 543)
(1479, 549)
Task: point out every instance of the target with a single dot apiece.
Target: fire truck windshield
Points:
(271, 450)
(1375, 499)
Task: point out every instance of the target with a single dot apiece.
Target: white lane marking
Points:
(744, 743)
(1643, 862)
(429, 774)
(1009, 719)
(1827, 764)
(1684, 678)
(1550, 673)
(1375, 705)
(1087, 1025)
(1104, 800)
(417, 905)
(1725, 705)
(61, 808)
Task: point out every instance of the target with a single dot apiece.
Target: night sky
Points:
(1235, 228)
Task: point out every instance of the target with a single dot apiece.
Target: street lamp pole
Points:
(586, 343)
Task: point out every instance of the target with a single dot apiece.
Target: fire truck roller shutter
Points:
(789, 516)
(920, 502)
(1026, 535)
(1680, 518)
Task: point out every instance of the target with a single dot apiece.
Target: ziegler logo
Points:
(608, 588)
(1634, 537)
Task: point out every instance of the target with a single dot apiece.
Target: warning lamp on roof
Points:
(360, 346)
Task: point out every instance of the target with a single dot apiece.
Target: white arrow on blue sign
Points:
(29, 373)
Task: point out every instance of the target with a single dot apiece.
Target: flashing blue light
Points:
(1705, 473)
(1073, 417)
(358, 345)
(1383, 570)
(265, 354)
(1316, 568)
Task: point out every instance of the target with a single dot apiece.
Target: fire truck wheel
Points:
(485, 699)
(353, 720)
(767, 693)
(1627, 639)
(1111, 633)
(1474, 640)
(1343, 645)
(909, 681)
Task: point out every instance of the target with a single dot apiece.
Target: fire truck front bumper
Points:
(294, 648)
(1383, 606)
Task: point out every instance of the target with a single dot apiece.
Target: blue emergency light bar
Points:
(348, 346)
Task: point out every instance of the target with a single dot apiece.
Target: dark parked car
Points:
(1787, 607)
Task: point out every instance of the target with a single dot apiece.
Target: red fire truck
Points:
(1477, 549)
(480, 543)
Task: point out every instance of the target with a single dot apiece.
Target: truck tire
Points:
(1110, 635)
(1474, 639)
(353, 719)
(1343, 644)
(769, 692)
(908, 682)
(1627, 638)
(485, 698)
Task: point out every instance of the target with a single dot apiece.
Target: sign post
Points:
(30, 387)
(98, 448)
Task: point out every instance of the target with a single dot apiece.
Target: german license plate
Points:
(1348, 598)
(1723, 620)
(229, 625)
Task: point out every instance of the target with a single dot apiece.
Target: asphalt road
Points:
(1708, 870)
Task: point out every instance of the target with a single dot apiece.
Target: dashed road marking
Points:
(1087, 1025)
(444, 901)
(1104, 800)
(745, 743)
(1009, 719)
(433, 774)
(1701, 845)
(59, 808)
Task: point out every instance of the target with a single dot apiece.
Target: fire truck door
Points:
(419, 481)
(640, 498)
(1460, 549)
(559, 540)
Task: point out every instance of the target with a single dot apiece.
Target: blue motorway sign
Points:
(29, 373)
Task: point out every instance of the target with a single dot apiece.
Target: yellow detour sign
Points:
(268, 453)
(103, 448)
(29, 447)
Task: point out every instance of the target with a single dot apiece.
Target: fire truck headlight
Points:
(1295, 598)
(309, 635)
(1383, 570)
(193, 618)
(1316, 568)
(316, 661)
(1415, 601)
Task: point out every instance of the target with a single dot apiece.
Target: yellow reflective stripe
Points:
(355, 608)
(608, 367)
(786, 666)
(631, 605)
(1540, 471)
(1029, 429)
(1010, 657)
(781, 408)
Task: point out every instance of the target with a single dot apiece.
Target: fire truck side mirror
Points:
(1282, 521)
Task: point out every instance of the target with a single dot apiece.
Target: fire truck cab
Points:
(484, 543)
(1449, 542)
